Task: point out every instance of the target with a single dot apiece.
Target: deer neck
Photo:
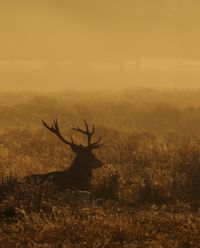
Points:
(80, 169)
(81, 172)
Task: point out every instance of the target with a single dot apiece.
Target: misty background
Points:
(95, 44)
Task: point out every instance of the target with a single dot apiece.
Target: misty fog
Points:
(96, 44)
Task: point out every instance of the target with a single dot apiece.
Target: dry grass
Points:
(146, 194)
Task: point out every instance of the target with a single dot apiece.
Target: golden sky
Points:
(103, 34)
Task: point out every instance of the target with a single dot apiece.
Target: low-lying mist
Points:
(63, 75)
(155, 110)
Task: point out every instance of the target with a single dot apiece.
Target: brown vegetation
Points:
(147, 192)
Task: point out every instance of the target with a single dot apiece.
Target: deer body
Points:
(79, 175)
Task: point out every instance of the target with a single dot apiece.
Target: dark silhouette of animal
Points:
(79, 175)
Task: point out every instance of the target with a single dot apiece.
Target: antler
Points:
(89, 134)
(55, 129)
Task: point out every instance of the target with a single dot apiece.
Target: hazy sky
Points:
(104, 34)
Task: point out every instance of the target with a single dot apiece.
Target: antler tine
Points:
(72, 140)
(48, 127)
(56, 124)
(93, 130)
(96, 144)
(88, 130)
(89, 135)
(86, 125)
(55, 129)
(44, 123)
(79, 130)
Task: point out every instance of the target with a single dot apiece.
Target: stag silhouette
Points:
(79, 175)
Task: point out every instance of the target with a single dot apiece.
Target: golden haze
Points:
(67, 44)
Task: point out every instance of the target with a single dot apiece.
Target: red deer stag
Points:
(79, 175)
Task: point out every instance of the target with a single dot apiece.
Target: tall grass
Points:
(146, 194)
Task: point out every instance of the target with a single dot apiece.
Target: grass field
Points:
(147, 194)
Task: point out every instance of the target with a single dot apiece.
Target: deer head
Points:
(84, 154)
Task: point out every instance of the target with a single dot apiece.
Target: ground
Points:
(147, 194)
